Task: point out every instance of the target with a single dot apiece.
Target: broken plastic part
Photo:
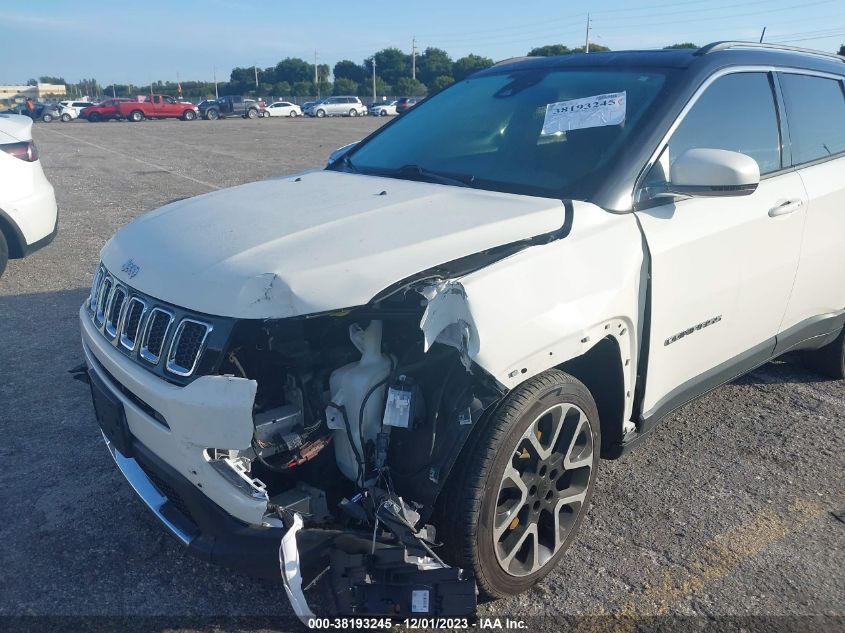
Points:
(291, 574)
(447, 320)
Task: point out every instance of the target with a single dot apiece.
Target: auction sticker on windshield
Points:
(578, 114)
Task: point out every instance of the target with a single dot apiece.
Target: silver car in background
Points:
(337, 106)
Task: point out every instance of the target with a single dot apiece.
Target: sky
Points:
(135, 43)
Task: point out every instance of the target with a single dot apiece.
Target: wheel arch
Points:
(13, 235)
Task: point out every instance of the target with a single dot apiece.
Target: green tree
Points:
(410, 87)
(294, 70)
(31, 82)
(465, 66)
(392, 64)
(344, 86)
(47, 79)
(434, 62)
(549, 50)
(325, 88)
(438, 83)
(303, 89)
(346, 69)
(681, 45)
(594, 48)
(842, 49)
(281, 89)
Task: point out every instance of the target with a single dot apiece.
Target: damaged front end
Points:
(359, 416)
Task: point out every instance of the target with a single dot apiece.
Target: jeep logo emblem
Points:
(130, 268)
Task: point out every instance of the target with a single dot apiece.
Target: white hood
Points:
(321, 241)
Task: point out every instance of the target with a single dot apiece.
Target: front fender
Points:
(549, 303)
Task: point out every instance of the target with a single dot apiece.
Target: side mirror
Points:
(339, 152)
(712, 173)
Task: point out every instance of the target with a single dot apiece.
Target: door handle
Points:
(785, 208)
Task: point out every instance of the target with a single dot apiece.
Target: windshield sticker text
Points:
(579, 114)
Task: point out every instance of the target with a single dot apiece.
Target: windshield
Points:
(546, 132)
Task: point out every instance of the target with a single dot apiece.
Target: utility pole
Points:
(763, 34)
(113, 93)
(374, 78)
(414, 59)
(587, 43)
(214, 70)
(316, 78)
(256, 76)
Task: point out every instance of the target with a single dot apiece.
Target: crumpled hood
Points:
(320, 241)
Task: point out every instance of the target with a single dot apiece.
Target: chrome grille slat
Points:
(133, 319)
(186, 346)
(114, 313)
(155, 334)
(102, 300)
(95, 288)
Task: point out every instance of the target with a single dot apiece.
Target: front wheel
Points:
(321, 114)
(353, 112)
(93, 117)
(252, 113)
(513, 509)
(47, 118)
(136, 115)
(189, 115)
(265, 114)
(212, 115)
(292, 114)
(65, 118)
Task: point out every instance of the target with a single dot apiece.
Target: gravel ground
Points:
(726, 511)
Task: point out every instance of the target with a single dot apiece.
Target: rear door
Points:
(721, 268)
(815, 110)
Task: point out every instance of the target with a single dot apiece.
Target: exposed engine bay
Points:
(357, 425)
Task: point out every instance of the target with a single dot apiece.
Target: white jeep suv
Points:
(435, 339)
(28, 212)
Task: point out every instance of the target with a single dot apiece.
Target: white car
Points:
(28, 212)
(453, 322)
(283, 108)
(384, 109)
(71, 109)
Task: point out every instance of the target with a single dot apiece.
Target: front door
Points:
(722, 269)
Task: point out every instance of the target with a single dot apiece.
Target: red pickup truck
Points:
(156, 107)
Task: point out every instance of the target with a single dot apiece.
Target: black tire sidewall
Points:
(495, 580)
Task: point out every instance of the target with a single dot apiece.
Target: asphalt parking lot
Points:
(725, 511)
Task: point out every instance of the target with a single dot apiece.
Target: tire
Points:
(136, 115)
(4, 253)
(189, 115)
(382, 113)
(828, 360)
(212, 115)
(353, 112)
(320, 114)
(94, 118)
(292, 114)
(65, 118)
(47, 118)
(505, 473)
(252, 113)
(265, 115)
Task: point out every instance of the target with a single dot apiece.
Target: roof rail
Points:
(518, 58)
(721, 46)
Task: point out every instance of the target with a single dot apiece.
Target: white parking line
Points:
(136, 159)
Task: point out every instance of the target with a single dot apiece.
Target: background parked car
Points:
(104, 111)
(283, 108)
(405, 103)
(71, 109)
(383, 109)
(46, 112)
(338, 106)
(230, 106)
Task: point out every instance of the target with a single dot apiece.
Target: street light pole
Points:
(587, 43)
(374, 78)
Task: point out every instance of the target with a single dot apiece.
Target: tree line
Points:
(396, 73)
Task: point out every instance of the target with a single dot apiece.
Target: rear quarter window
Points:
(815, 111)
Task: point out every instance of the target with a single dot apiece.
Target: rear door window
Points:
(815, 111)
(736, 113)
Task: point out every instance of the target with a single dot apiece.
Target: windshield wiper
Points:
(422, 173)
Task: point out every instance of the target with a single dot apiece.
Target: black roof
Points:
(716, 55)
